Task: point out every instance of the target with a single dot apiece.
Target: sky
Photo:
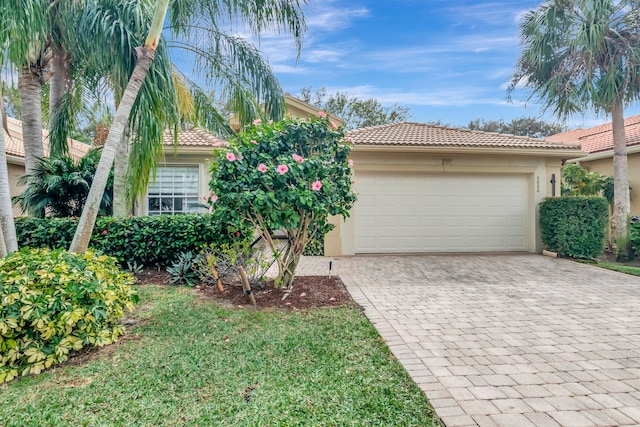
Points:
(447, 60)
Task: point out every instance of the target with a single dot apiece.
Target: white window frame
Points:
(175, 190)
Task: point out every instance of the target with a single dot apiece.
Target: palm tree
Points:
(251, 78)
(59, 187)
(580, 54)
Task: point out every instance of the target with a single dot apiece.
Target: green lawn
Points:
(192, 363)
(621, 267)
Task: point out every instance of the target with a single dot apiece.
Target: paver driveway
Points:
(507, 340)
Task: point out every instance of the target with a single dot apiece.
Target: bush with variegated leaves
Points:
(56, 302)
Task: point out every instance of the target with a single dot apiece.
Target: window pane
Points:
(174, 190)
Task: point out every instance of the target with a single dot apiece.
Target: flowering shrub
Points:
(288, 176)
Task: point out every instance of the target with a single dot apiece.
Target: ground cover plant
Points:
(187, 361)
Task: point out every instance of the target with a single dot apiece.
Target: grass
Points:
(192, 363)
(621, 267)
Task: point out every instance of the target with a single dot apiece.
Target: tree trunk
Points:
(289, 272)
(7, 224)
(621, 202)
(30, 87)
(60, 83)
(81, 238)
(120, 183)
(87, 221)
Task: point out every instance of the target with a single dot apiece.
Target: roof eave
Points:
(538, 152)
(603, 154)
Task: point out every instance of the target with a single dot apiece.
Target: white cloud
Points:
(328, 17)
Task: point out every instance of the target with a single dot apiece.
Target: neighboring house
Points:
(182, 176)
(597, 142)
(427, 188)
(15, 154)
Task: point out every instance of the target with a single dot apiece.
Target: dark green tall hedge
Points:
(146, 240)
(574, 226)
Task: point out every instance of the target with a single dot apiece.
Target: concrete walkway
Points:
(506, 340)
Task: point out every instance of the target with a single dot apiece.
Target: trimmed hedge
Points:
(574, 226)
(635, 239)
(145, 240)
(56, 302)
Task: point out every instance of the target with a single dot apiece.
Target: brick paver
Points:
(506, 339)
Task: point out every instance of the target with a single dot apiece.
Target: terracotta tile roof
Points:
(600, 138)
(420, 134)
(194, 137)
(14, 145)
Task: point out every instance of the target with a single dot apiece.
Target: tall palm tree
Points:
(581, 54)
(251, 77)
(7, 226)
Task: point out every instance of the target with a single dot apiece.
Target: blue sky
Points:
(446, 60)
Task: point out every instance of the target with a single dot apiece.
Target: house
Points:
(427, 188)
(15, 154)
(597, 142)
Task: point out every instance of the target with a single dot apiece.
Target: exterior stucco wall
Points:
(341, 240)
(605, 166)
(15, 172)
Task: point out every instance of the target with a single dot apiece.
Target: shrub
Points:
(574, 226)
(635, 238)
(287, 176)
(145, 240)
(54, 302)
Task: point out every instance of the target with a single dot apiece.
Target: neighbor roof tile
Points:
(600, 138)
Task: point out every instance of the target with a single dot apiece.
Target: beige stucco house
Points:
(597, 142)
(427, 188)
(15, 154)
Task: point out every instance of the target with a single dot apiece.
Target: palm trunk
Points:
(7, 224)
(146, 54)
(621, 202)
(30, 88)
(60, 83)
(87, 221)
(120, 200)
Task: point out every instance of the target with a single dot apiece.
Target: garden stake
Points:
(330, 265)
(246, 286)
(215, 273)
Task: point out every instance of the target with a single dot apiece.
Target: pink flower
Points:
(297, 158)
(231, 157)
(322, 114)
(204, 198)
(210, 209)
(316, 186)
(253, 141)
(350, 163)
(257, 122)
(214, 198)
(104, 232)
(349, 139)
(262, 167)
(333, 125)
(282, 169)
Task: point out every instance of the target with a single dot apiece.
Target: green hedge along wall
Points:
(574, 226)
(146, 240)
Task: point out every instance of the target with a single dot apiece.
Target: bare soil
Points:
(307, 292)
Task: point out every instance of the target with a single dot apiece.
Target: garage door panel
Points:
(441, 213)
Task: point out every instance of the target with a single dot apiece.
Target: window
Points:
(174, 191)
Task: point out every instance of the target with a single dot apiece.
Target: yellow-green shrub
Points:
(54, 302)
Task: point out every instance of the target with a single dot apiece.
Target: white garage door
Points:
(441, 213)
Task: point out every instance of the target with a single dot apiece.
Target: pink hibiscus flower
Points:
(262, 167)
(282, 169)
(257, 122)
(350, 163)
(231, 157)
(253, 141)
(297, 158)
(214, 198)
(322, 114)
(316, 186)
(333, 125)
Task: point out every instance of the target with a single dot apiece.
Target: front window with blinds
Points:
(174, 191)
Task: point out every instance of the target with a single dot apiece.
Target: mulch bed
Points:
(308, 292)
